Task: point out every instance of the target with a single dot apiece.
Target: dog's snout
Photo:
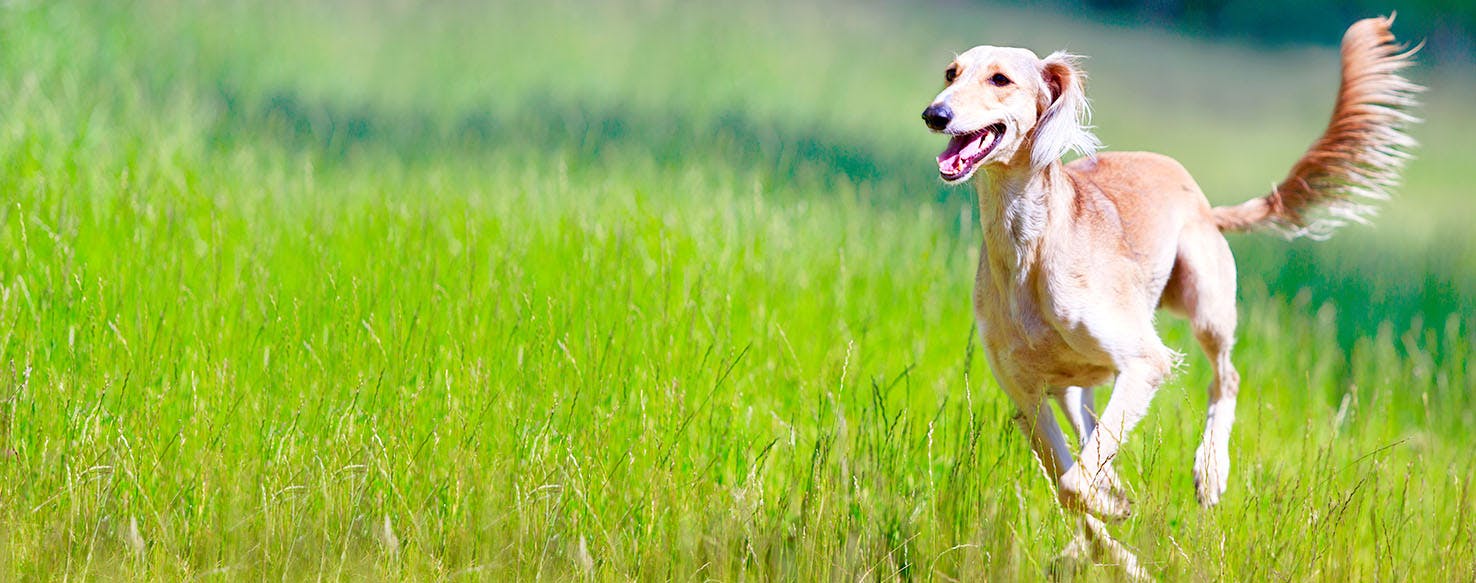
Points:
(937, 116)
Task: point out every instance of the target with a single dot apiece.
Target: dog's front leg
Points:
(1036, 421)
(1092, 484)
(1039, 424)
(1077, 404)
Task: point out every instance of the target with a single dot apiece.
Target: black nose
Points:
(937, 116)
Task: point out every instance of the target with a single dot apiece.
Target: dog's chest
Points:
(1025, 327)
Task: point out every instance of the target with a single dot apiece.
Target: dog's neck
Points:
(1016, 207)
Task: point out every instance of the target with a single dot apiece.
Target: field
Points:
(657, 290)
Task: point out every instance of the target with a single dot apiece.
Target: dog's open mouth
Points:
(964, 152)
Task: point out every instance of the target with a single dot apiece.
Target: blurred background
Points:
(1444, 25)
(826, 91)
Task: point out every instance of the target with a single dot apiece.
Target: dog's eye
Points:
(999, 80)
(950, 74)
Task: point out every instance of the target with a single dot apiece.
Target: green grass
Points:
(652, 291)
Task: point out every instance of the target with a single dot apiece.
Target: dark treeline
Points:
(1447, 26)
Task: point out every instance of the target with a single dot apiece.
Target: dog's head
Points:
(1004, 106)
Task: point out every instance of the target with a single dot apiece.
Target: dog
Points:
(1078, 257)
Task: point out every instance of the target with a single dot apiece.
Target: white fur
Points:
(1064, 127)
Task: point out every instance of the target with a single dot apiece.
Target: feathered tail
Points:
(1357, 161)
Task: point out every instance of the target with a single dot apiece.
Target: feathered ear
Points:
(1063, 125)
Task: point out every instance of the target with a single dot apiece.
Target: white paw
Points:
(1099, 494)
(1211, 474)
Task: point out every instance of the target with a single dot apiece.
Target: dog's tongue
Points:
(960, 150)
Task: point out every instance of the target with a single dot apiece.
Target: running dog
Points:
(1077, 257)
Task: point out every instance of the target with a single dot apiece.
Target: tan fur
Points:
(1358, 159)
(1077, 257)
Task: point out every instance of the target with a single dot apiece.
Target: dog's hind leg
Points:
(1205, 289)
(1212, 460)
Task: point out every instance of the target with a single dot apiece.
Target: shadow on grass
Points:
(811, 159)
(1398, 286)
(1406, 289)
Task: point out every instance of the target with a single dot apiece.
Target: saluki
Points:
(1077, 257)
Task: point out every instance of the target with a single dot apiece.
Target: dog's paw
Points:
(1211, 474)
(1099, 493)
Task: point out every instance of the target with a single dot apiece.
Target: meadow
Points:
(657, 290)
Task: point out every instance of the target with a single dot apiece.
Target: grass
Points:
(644, 290)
